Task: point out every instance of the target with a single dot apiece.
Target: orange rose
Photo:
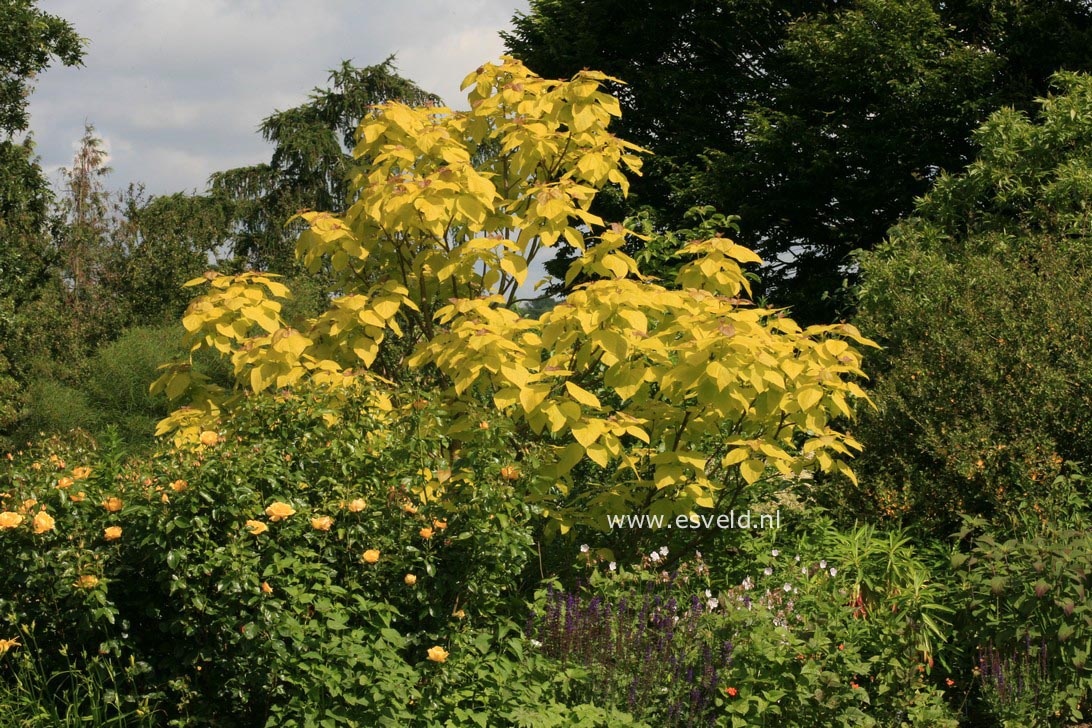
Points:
(509, 473)
(256, 527)
(322, 523)
(437, 654)
(410, 579)
(357, 505)
(10, 520)
(179, 485)
(43, 522)
(113, 533)
(65, 482)
(87, 581)
(426, 532)
(113, 504)
(266, 589)
(81, 472)
(77, 497)
(371, 556)
(209, 438)
(440, 524)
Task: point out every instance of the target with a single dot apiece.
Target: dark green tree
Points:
(818, 122)
(30, 41)
(311, 161)
(981, 299)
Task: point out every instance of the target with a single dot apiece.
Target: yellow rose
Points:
(113, 504)
(87, 581)
(279, 511)
(371, 556)
(209, 438)
(64, 482)
(256, 527)
(81, 472)
(10, 520)
(426, 532)
(43, 522)
(322, 523)
(437, 654)
(179, 485)
(410, 579)
(113, 533)
(356, 506)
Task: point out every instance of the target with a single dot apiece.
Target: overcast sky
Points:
(177, 88)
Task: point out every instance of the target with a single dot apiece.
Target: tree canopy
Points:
(817, 122)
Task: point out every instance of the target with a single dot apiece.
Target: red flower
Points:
(731, 692)
(854, 685)
(950, 682)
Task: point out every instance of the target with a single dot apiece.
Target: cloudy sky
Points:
(177, 88)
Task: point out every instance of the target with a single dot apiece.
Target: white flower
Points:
(612, 566)
(712, 603)
(804, 570)
(775, 553)
(833, 571)
(708, 593)
(584, 548)
(536, 643)
(823, 564)
(663, 551)
(768, 571)
(796, 558)
(787, 587)
(748, 584)
(654, 556)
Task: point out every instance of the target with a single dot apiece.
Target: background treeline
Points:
(821, 124)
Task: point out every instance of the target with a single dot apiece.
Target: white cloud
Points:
(180, 86)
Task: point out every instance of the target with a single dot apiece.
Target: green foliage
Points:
(228, 582)
(817, 122)
(983, 388)
(1025, 586)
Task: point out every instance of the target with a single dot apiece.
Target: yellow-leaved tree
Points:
(666, 399)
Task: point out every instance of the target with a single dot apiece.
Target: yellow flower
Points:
(81, 472)
(165, 498)
(256, 527)
(266, 589)
(209, 438)
(35, 466)
(509, 473)
(77, 497)
(113, 504)
(10, 520)
(357, 505)
(426, 532)
(43, 522)
(437, 654)
(64, 482)
(459, 614)
(6, 645)
(179, 485)
(322, 523)
(87, 581)
(410, 579)
(28, 504)
(409, 508)
(279, 511)
(112, 533)
(371, 555)
(440, 524)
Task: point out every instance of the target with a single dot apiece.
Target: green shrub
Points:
(294, 623)
(980, 299)
(1025, 591)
